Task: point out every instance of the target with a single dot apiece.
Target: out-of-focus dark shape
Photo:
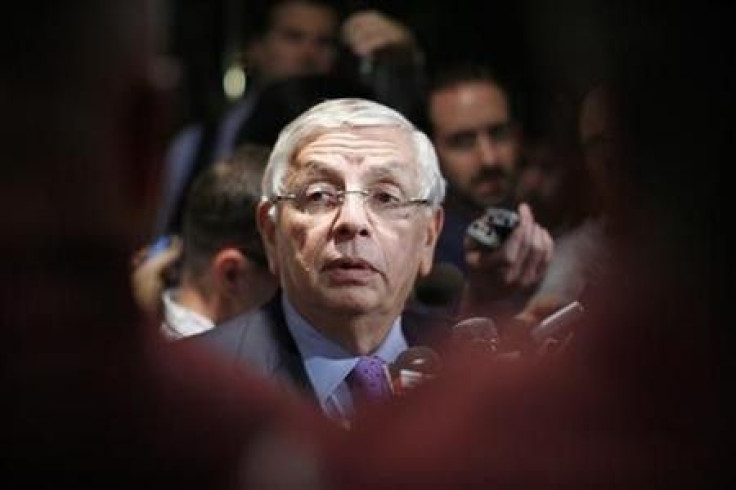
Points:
(413, 367)
(442, 287)
(478, 334)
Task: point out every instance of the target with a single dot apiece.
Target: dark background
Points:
(539, 47)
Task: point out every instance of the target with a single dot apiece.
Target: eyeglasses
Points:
(320, 199)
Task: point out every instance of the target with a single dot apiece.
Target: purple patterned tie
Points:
(368, 379)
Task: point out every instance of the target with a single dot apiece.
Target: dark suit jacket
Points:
(260, 341)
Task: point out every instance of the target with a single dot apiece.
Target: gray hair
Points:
(351, 113)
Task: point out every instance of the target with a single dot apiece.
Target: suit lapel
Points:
(291, 365)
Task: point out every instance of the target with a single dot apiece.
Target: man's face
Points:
(352, 260)
(475, 140)
(299, 42)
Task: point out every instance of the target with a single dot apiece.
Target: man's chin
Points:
(485, 194)
(353, 300)
(488, 200)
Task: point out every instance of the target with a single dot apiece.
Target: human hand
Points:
(147, 276)
(520, 262)
(366, 31)
(540, 306)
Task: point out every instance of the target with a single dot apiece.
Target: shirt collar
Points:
(328, 364)
(180, 321)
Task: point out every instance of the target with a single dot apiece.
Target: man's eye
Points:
(461, 141)
(385, 198)
(326, 41)
(319, 196)
(500, 131)
(292, 35)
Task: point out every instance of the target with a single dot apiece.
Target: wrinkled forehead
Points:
(468, 105)
(372, 150)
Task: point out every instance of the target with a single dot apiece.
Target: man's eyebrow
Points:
(462, 133)
(495, 125)
(314, 169)
(388, 170)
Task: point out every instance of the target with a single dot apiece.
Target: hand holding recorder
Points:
(507, 249)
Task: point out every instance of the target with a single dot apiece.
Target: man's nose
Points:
(487, 150)
(352, 217)
(310, 52)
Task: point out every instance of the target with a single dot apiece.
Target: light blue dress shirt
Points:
(327, 364)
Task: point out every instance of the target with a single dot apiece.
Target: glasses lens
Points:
(317, 199)
(384, 201)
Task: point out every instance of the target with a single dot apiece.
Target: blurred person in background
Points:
(478, 142)
(222, 272)
(294, 39)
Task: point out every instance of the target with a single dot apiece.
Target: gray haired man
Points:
(350, 217)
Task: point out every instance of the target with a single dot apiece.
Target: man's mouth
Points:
(490, 180)
(349, 272)
(349, 264)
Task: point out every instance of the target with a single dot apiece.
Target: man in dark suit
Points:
(350, 218)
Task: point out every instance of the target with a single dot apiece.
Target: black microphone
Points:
(442, 287)
(519, 339)
(477, 334)
(413, 367)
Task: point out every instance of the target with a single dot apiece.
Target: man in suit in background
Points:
(221, 256)
(350, 217)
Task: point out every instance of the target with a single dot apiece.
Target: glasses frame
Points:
(340, 201)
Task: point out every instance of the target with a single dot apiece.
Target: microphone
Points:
(441, 287)
(555, 331)
(480, 335)
(477, 334)
(413, 367)
(518, 339)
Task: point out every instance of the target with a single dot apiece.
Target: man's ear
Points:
(434, 227)
(229, 265)
(266, 218)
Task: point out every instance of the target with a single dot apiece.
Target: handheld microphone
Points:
(478, 334)
(556, 330)
(518, 339)
(413, 367)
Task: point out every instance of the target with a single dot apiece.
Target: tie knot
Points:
(369, 378)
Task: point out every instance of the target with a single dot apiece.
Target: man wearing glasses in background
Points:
(350, 217)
